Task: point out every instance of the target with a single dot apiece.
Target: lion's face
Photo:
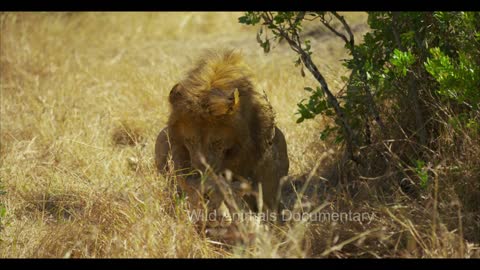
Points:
(214, 145)
(213, 149)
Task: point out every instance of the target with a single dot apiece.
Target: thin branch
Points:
(327, 24)
(395, 31)
(346, 27)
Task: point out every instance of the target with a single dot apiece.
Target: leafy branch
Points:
(287, 26)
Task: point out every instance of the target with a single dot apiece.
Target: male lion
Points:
(219, 123)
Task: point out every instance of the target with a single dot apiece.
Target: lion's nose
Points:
(220, 217)
(225, 216)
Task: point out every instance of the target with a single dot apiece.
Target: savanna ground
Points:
(83, 96)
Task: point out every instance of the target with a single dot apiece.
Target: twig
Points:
(346, 242)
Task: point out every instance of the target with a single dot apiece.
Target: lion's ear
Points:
(175, 94)
(222, 102)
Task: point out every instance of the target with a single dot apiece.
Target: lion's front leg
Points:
(170, 155)
(173, 159)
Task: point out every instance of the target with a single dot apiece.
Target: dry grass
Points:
(83, 96)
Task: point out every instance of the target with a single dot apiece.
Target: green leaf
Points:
(326, 132)
(402, 61)
(266, 46)
(422, 173)
(407, 37)
(320, 91)
(308, 89)
(338, 139)
(250, 18)
(279, 18)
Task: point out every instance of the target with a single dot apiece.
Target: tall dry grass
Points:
(83, 96)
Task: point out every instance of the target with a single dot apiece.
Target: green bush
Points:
(409, 60)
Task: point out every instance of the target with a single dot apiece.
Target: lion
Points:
(219, 125)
